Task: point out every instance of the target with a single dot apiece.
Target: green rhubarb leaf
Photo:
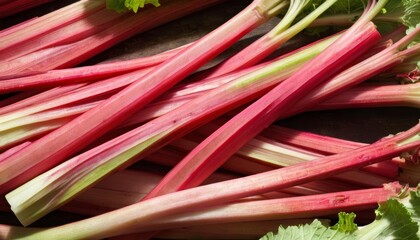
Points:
(405, 11)
(393, 221)
(351, 8)
(313, 231)
(131, 5)
(397, 218)
(412, 204)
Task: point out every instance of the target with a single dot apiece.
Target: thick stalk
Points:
(264, 46)
(83, 74)
(51, 22)
(129, 219)
(69, 55)
(56, 146)
(96, 163)
(235, 133)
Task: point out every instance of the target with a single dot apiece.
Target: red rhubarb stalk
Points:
(130, 219)
(89, 167)
(224, 142)
(56, 146)
(69, 55)
(51, 22)
(70, 33)
(83, 74)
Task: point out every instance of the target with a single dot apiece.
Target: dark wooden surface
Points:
(366, 125)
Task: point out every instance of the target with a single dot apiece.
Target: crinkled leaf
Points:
(412, 204)
(397, 218)
(404, 11)
(132, 5)
(313, 231)
(393, 221)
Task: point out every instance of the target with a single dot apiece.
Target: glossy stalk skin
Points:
(69, 55)
(270, 42)
(56, 146)
(49, 22)
(235, 133)
(311, 206)
(60, 77)
(130, 219)
(375, 95)
(119, 152)
(73, 32)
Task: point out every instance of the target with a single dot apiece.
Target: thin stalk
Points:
(51, 22)
(275, 209)
(89, 167)
(374, 95)
(39, 98)
(129, 219)
(80, 94)
(69, 55)
(69, 33)
(56, 146)
(264, 46)
(224, 142)
(84, 74)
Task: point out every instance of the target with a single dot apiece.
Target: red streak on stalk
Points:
(56, 146)
(50, 22)
(223, 143)
(13, 151)
(311, 206)
(370, 96)
(128, 220)
(73, 32)
(65, 56)
(40, 98)
(84, 74)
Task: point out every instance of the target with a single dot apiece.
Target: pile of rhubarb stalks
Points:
(118, 113)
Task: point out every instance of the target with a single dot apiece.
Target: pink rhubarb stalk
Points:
(130, 219)
(83, 74)
(224, 142)
(56, 146)
(50, 22)
(69, 55)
